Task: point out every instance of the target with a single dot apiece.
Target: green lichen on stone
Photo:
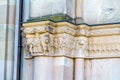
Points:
(55, 17)
(58, 17)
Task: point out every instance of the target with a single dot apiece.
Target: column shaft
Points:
(63, 68)
(29, 69)
(43, 68)
(88, 68)
(79, 69)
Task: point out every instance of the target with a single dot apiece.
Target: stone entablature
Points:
(65, 39)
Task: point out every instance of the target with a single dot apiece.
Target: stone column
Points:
(28, 59)
(79, 69)
(43, 59)
(43, 68)
(81, 51)
(88, 70)
(63, 67)
(29, 68)
(38, 43)
(64, 47)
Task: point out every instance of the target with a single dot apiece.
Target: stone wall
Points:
(8, 34)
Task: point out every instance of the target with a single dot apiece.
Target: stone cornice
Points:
(65, 39)
(104, 30)
(105, 27)
(33, 24)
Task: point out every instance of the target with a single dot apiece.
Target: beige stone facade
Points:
(8, 39)
(60, 51)
(63, 51)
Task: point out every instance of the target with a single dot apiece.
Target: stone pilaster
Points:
(81, 51)
(64, 48)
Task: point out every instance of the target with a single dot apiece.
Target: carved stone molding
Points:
(39, 44)
(64, 44)
(65, 39)
(81, 46)
(105, 30)
(104, 45)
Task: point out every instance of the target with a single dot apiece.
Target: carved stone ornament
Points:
(64, 44)
(65, 39)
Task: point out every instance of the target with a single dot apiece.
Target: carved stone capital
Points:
(65, 39)
(81, 46)
(82, 30)
(64, 44)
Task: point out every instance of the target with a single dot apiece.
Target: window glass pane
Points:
(93, 11)
(40, 8)
(101, 11)
(71, 8)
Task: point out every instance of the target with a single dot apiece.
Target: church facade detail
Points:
(64, 51)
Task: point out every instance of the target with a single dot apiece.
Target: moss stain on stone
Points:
(55, 17)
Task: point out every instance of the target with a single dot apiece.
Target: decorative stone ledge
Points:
(65, 39)
(105, 30)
